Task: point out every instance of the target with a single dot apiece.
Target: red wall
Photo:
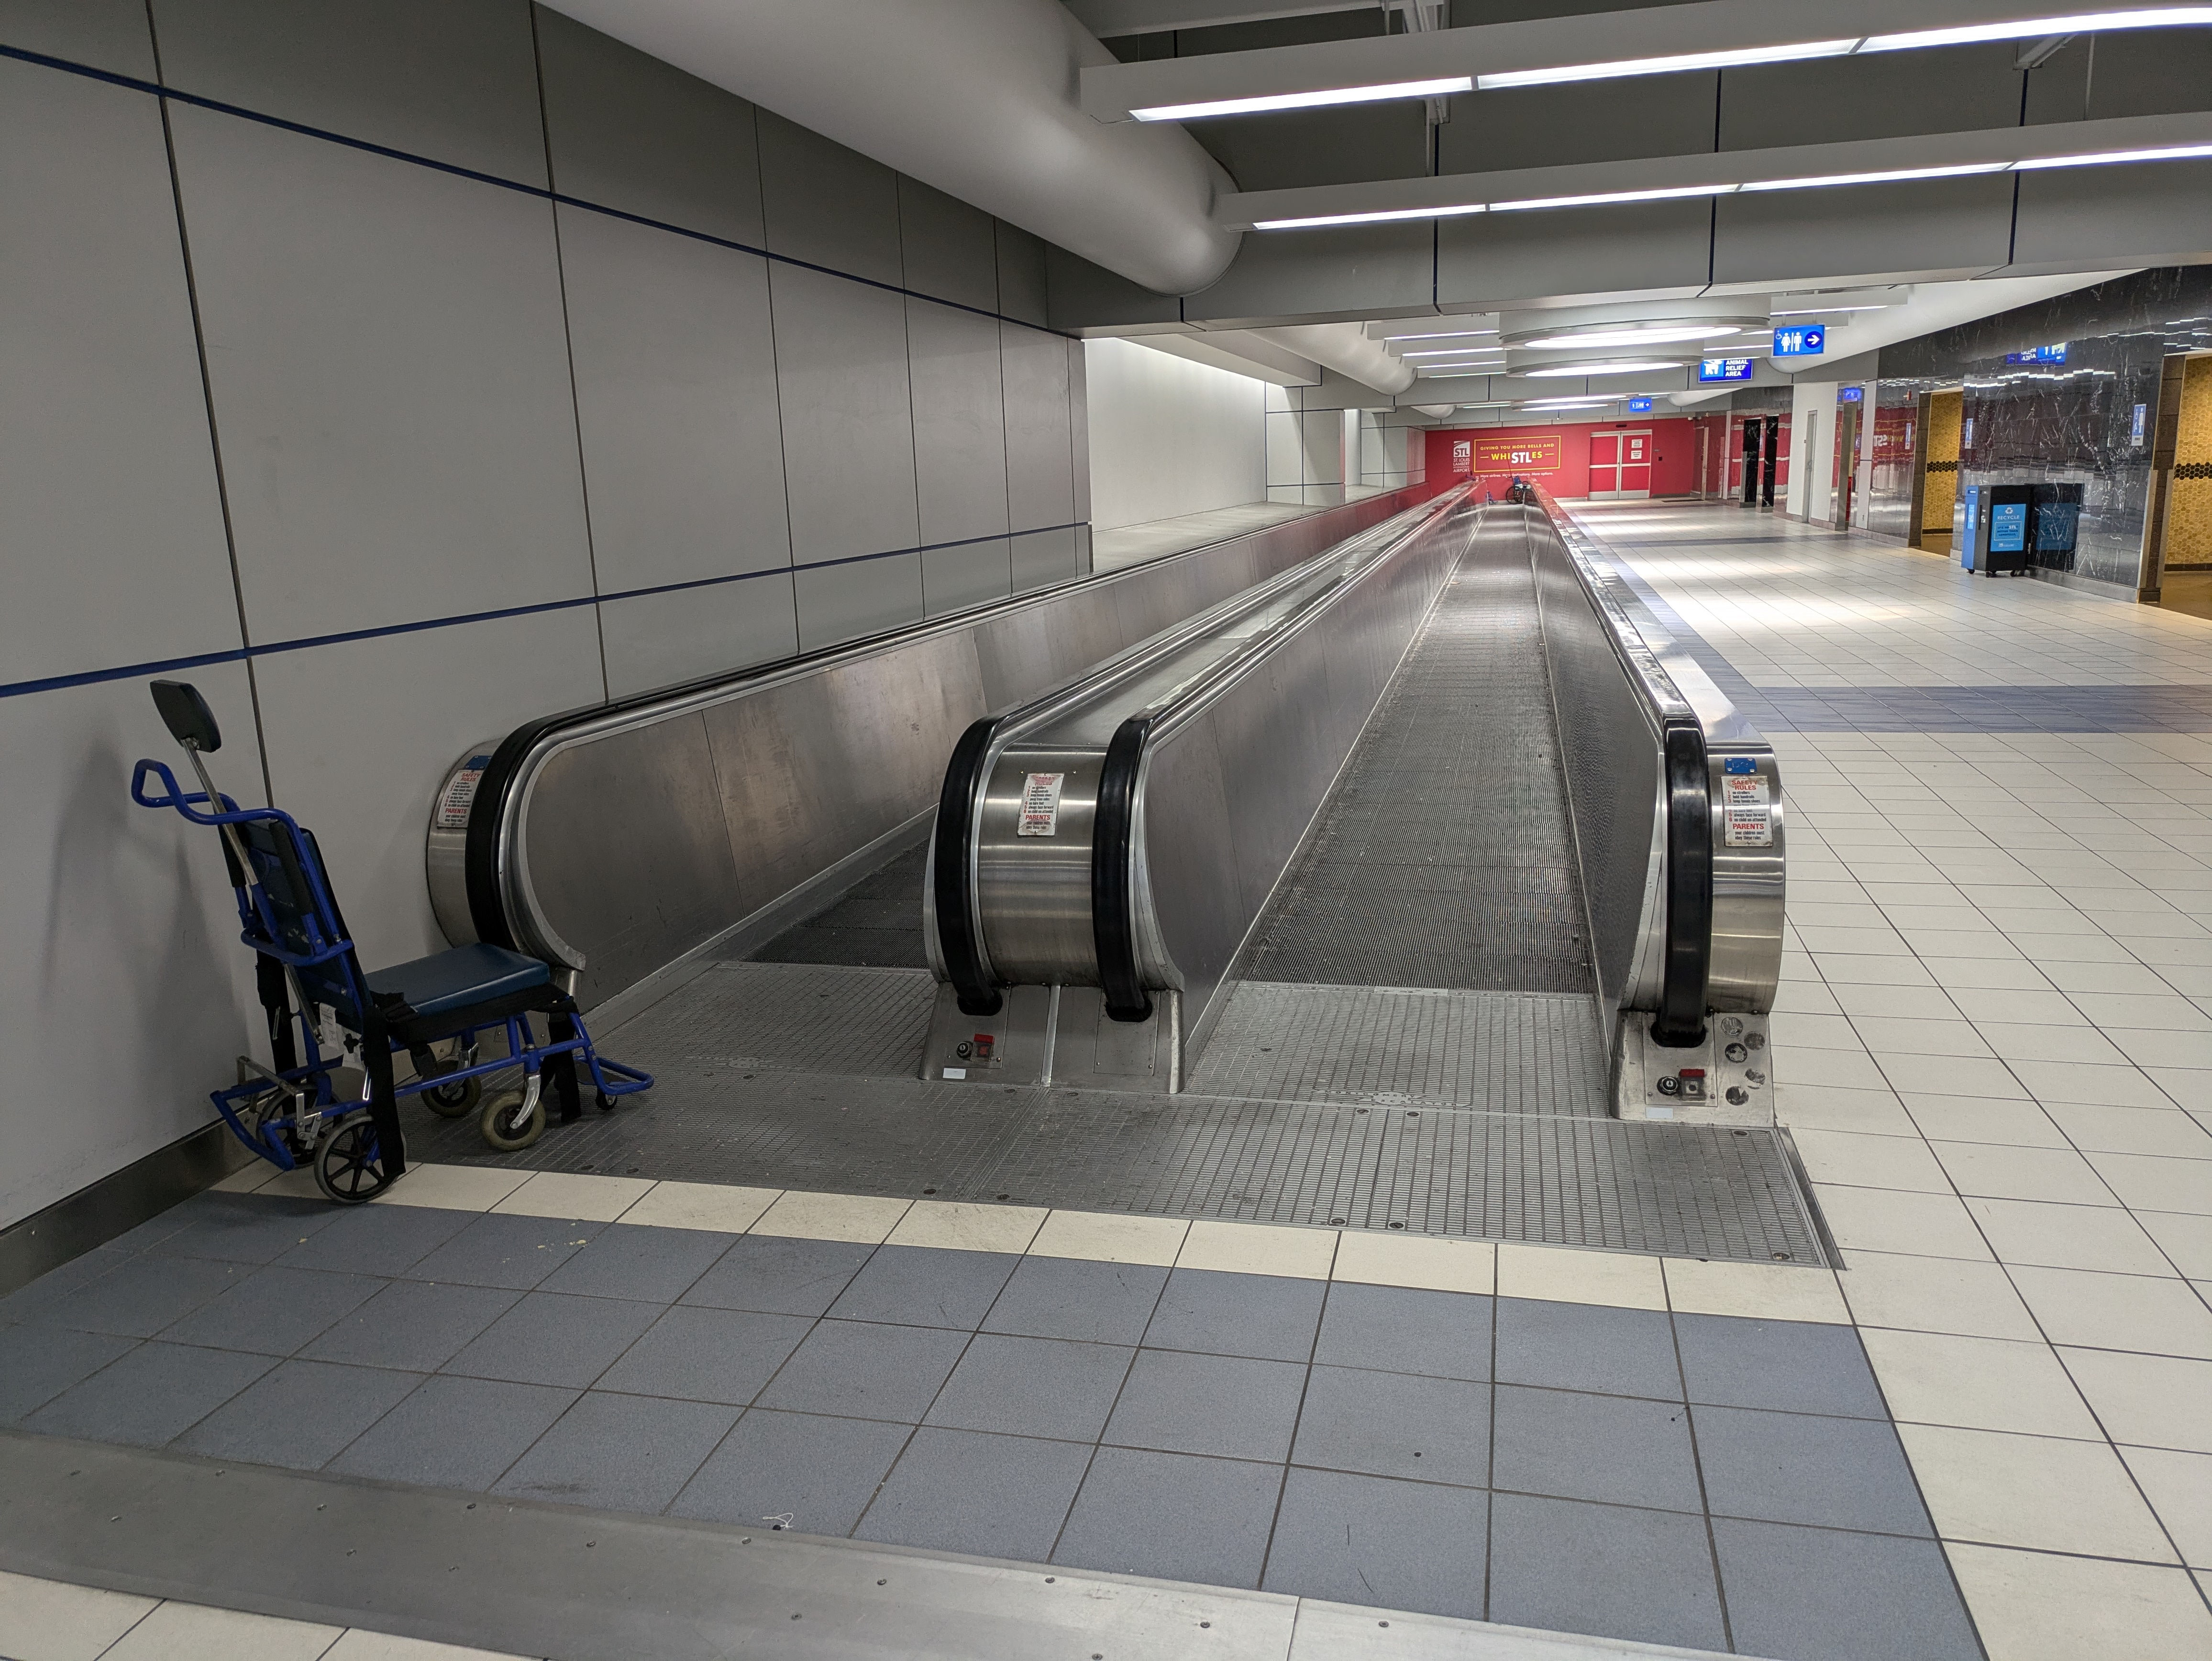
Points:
(1674, 446)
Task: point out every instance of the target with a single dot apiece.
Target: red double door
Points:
(1620, 465)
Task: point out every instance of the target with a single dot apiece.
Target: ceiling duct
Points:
(975, 97)
(1346, 348)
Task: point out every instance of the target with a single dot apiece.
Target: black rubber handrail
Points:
(952, 885)
(1113, 833)
(1689, 929)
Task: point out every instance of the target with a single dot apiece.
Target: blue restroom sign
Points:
(1801, 340)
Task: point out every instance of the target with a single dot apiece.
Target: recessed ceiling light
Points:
(1625, 366)
(2112, 158)
(2087, 22)
(1601, 198)
(1829, 311)
(1729, 57)
(1889, 176)
(1656, 334)
(1367, 218)
(1325, 98)
(1453, 351)
(1441, 334)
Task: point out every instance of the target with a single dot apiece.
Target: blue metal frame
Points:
(288, 1140)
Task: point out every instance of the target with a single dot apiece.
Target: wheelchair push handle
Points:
(223, 811)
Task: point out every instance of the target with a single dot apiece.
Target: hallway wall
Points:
(398, 370)
(1170, 436)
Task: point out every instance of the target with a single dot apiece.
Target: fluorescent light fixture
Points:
(1327, 98)
(1728, 58)
(1604, 197)
(1891, 175)
(1452, 351)
(1569, 403)
(1365, 218)
(1451, 375)
(2087, 22)
(1441, 334)
(1625, 366)
(2108, 158)
(1662, 334)
(1829, 311)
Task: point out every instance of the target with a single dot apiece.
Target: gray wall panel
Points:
(1021, 274)
(676, 397)
(2138, 72)
(360, 733)
(453, 80)
(1932, 227)
(848, 423)
(626, 130)
(947, 247)
(391, 382)
(108, 481)
(123, 988)
(1641, 246)
(107, 34)
(826, 204)
(959, 423)
(1079, 436)
(1044, 558)
(1040, 443)
(973, 572)
(844, 602)
(659, 640)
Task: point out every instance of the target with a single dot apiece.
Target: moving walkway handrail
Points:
(1693, 839)
(957, 937)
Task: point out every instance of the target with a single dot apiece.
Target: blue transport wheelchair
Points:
(310, 1108)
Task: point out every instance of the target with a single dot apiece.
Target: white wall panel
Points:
(360, 733)
(1078, 428)
(826, 204)
(1168, 436)
(453, 80)
(848, 423)
(953, 578)
(659, 640)
(626, 130)
(1044, 557)
(959, 423)
(124, 991)
(106, 34)
(844, 602)
(1039, 436)
(111, 524)
(1882, 95)
(391, 382)
(947, 248)
(676, 397)
(1658, 247)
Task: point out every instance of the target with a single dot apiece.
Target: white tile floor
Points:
(51, 1621)
(1993, 1045)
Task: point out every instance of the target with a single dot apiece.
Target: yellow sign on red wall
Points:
(1539, 454)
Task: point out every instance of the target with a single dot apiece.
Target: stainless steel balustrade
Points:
(1102, 853)
(620, 839)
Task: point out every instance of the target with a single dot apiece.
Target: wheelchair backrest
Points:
(293, 905)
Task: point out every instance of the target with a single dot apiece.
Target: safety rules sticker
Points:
(1041, 805)
(1746, 812)
(460, 794)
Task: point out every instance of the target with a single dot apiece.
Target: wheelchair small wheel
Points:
(511, 1121)
(454, 1101)
(606, 1103)
(349, 1164)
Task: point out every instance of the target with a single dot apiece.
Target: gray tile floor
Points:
(1704, 1480)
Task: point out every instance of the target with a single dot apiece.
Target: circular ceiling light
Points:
(1654, 334)
(1623, 366)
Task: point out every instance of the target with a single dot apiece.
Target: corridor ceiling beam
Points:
(1653, 40)
(1869, 160)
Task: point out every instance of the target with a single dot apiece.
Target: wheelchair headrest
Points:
(186, 714)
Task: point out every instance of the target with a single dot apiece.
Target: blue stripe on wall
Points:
(132, 671)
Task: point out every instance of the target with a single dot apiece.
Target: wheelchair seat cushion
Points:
(454, 980)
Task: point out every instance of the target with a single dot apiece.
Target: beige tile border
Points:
(1422, 1263)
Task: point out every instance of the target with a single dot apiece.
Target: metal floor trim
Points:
(573, 1585)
